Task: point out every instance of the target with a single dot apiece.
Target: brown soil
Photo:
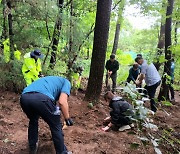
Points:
(85, 137)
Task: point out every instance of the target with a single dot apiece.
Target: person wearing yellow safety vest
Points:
(17, 53)
(6, 50)
(76, 78)
(31, 68)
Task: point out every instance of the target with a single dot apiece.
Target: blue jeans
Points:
(37, 105)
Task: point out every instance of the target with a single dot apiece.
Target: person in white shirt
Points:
(152, 79)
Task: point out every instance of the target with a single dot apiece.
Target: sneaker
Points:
(69, 152)
(123, 128)
(132, 125)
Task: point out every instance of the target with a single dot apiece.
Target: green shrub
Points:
(11, 77)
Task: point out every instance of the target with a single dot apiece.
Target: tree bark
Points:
(71, 55)
(160, 46)
(175, 32)
(10, 24)
(118, 25)
(4, 31)
(99, 50)
(56, 34)
(164, 92)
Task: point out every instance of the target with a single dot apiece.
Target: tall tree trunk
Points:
(175, 32)
(4, 31)
(99, 50)
(56, 34)
(10, 23)
(118, 25)
(164, 92)
(160, 46)
(71, 55)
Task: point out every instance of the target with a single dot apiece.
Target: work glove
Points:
(69, 122)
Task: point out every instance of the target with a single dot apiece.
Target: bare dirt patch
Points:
(85, 137)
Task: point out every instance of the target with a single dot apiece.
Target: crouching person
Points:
(120, 113)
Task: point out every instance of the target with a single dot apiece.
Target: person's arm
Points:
(130, 74)
(64, 105)
(140, 79)
(107, 65)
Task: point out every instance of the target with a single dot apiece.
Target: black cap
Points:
(37, 53)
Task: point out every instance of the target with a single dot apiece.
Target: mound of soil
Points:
(85, 137)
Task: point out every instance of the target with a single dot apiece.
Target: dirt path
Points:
(85, 137)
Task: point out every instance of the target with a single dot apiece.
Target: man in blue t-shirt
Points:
(39, 100)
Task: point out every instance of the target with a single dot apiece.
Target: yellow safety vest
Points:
(31, 69)
(6, 50)
(76, 80)
(17, 54)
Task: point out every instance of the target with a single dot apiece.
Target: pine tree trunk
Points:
(4, 31)
(118, 25)
(99, 50)
(175, 32)
(10, 23)
(160, 46)
(56, 34)
(164, 92)
(71, 55)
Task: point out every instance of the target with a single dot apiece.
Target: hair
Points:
(135, 65)
(112, 56)
(138, 58)
(108, 95)
(139, 55)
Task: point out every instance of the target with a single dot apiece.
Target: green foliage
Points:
(11, 77)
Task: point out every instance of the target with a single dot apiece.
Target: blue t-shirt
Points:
(51, 86)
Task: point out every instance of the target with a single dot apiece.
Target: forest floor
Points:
(85, 137)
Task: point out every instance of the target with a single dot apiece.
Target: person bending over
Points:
(152, 79)
(39, 100)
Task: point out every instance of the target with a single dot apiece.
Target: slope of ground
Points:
(85, 137)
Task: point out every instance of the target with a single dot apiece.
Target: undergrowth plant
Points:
(142, 119)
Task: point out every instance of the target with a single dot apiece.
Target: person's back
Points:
(50, 86)
(120, 110)
(151, 74)
(47, 97)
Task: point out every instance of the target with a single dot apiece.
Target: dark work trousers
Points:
(122, 120)
(113, 77)
(151, 92)
(171, 89)
(37, 105)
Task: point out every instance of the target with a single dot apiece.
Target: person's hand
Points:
(69, 122)
(107, 118)
(105, 128)
(138, 82)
